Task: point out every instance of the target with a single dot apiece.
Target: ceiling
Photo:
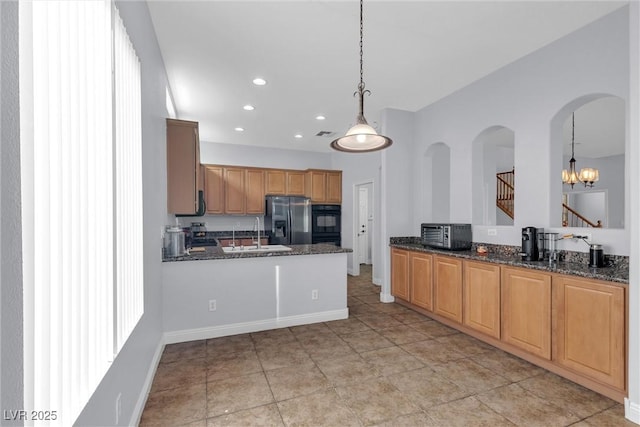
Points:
(415, 53)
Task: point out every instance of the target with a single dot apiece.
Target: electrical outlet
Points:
(212, 305)
(314, 294)
(118, 408)
(492, 232)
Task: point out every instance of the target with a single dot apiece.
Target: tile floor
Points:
(385, 366)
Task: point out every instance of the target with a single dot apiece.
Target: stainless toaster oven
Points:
(446, 236)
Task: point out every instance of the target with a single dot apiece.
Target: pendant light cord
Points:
(361, 85)
(573, 132)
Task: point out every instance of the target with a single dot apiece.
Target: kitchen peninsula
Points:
(211, 293)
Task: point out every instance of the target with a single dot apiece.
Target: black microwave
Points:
(446, 236)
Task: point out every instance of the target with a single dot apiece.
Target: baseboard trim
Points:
(146, 387)
(386, 297)
(632, 411)
(377, 281)
(256, 326)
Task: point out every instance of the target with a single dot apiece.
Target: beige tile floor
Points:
(385, 366)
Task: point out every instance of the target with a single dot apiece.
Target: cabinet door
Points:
(334, 187)
(421, 288)
(481, 288)
(526, 310)
(234, 196)
(447, 285)
(254, 191)
(183, 161)
(275, 182)
(295, 183)
(590, 328)
(317, 186)
(400, 273)
(214, 189)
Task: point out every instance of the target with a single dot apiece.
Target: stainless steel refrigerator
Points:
(287, 220)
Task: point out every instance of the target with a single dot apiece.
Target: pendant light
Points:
(361, 137)
(587, 175)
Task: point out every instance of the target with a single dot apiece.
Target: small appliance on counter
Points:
(446, 236)
(530, 244)
(174, 242)
(596, 255)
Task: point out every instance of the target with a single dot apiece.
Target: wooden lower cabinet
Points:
(590, 328)
(481, 289)
(526, 310)
(400, 273)
(447, 287)
(421, 279)
(412, 277)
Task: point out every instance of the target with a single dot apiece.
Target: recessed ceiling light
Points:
(259, 81)
(249, 107)
(320, 117)
(297, 135)
(239, 129)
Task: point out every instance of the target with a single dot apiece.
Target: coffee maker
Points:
(529, 244)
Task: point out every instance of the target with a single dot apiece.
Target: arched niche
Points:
(436, 182)
(600, 143)
(493, 177)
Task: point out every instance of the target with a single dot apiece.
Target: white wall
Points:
(397, 192)
(129, 372)
(612, 180)
(526, 96)
(11, 359)
(358, 169)
(529, 96)
(633, 197)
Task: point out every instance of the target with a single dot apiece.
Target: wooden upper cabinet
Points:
(334, 187)
(295, 183)
(254, 190)
(481, 286)
(234, 190)
(421, 274)
(275, 182)
(447, 287)
(214, 189)
(590, 328)
(284, 182)
(317, 186)
(400, 273)
(324, 186)
(526, 310)
(183, 166)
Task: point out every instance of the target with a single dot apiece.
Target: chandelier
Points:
(361, 137)
(587, 175)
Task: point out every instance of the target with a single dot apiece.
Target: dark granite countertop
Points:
(216, 252)
(618, 272)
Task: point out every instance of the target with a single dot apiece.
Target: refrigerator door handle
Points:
(289, 225)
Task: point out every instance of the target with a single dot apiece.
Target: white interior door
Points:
(363, 226)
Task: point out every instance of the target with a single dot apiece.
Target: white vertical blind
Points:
(83, 260)
(128, 173)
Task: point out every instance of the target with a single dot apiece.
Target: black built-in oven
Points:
(325, 220)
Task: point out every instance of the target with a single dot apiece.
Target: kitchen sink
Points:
(250, 249)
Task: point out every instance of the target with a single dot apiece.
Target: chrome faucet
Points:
(257, 225)
(233, 236)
